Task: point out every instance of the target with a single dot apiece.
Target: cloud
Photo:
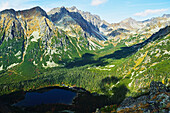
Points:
(19, 4)
(149, 12)
(4, 5)
(98, 2)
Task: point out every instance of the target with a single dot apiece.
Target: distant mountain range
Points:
(106, 28)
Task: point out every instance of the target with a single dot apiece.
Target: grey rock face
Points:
(157, 101)
(73, 16)
(128, 101)
(156, 87)
(9, 12)
(93, 19)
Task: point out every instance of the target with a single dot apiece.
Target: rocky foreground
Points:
(158, 101)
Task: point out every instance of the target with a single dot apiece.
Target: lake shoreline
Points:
(78, 102)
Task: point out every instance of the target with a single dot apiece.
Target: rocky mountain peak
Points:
(73, 8)
(53, 11)
(35, 11)
(128, 20)
(58, 10)
(10, 12)
(86, 21)
(94, 19)
(166, 15)
(63, 10)
(128, 23)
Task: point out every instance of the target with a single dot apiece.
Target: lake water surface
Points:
(52, 96)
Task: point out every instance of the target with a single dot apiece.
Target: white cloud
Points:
(149, 12)
(16, 4)
(98, 2)
(4, 5)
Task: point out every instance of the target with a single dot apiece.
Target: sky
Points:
(111, 11)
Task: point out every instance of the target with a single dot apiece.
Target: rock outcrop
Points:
(76, 19)
(158, 101)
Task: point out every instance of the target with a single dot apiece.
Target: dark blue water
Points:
(53, 96)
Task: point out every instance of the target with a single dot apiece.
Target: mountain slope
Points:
(74, 19)
(93, 19)
(12, 39)
(143, 63)
(24, 33)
